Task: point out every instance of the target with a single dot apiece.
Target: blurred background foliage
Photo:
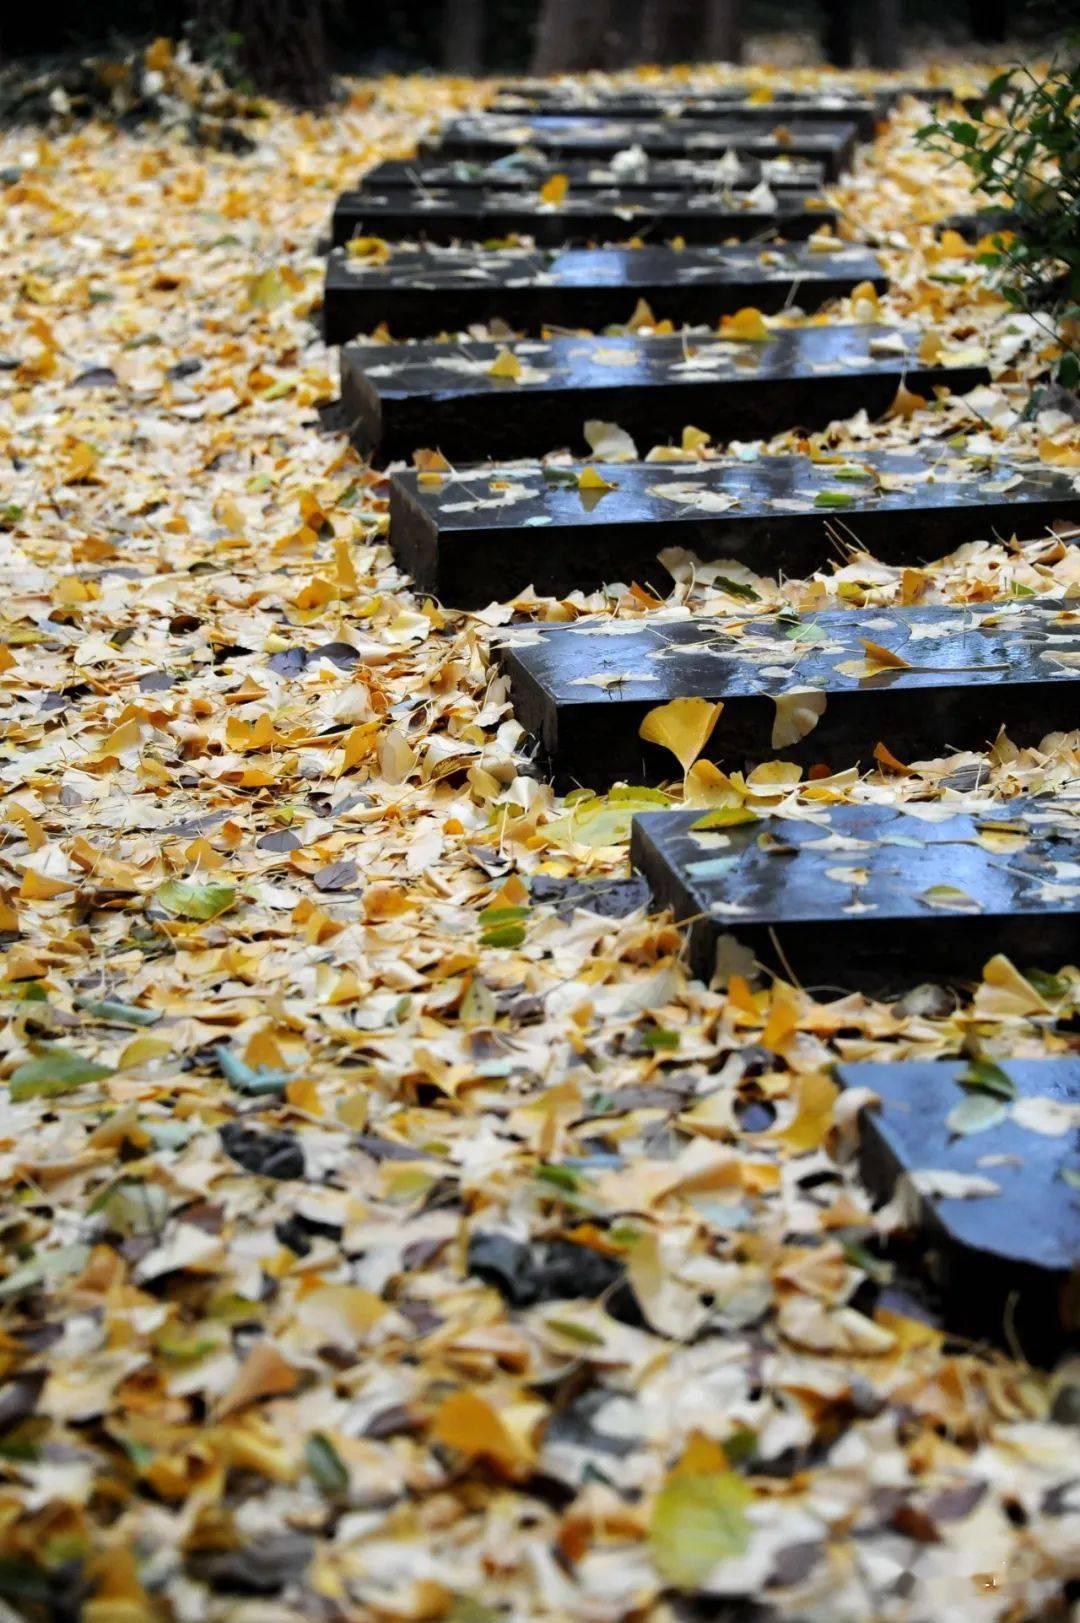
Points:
(501, 35)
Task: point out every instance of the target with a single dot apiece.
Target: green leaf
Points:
(246, 1080)
(660, 1038)
(599, 820)
(118, 1014)
(834, 498)
(976, 1113)
(726, 817)
(986, 1076)
(55, 1070)
(503, 926)
(189, 900)
(326, 1465)
(576, 1332)
(698, 1520)
(737, 588)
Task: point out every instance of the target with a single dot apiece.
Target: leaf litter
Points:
(286, 1036)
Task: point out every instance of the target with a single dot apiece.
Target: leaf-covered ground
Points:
(380, 1242)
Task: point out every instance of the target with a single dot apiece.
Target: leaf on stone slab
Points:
(555, 188)
(876, 654)
(748, 324)
(976, 1113)
(945, 1184)
(683, 726)
(506, 366)
(797, 713)
(949, 899)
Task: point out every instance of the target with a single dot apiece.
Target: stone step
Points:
(808, 689)
(863, 111)
(639, 174)
(1001, 1257)
(475, 536)
(493, 135)
(403, 396)
(446, 215)
(422, 292)
(867, 896)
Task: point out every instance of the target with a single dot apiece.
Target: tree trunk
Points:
(673, 30)
(282, 44)
(885, 32)
(838, 39)
(463, 36)
(568, 42)
(723, 31)
(989, 21)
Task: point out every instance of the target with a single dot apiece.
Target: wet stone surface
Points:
(453, 214)
(814, 689)
(478, 535)
(723, 103)
(492, 135)
(870, 897)
(398, 397)
(422, 292)
(638, 172)
(991, 1163)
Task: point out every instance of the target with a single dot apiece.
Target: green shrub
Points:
(1021, 144)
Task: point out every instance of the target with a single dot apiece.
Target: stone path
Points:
(477, 399)
(422, 292)
(474, 535)
(835, 896)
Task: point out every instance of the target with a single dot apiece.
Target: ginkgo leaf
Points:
(949, 899)
(609, 442)
(683, 726)
(190, 900)
(748, 324)
(591, 479)
(506, 366)
(879, 655)
(797, 714)
(976, 1113)
(555, 188)
(698, 1520)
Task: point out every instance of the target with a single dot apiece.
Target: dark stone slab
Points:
(640, 174)
(421, 292)
(734, 103)
(480, 535)
(1003, 1258)
(492, 135)
(583, 690)
(398, 397)
(454, 214)
(890, 899)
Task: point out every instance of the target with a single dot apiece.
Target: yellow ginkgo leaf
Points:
(866, 293)
(505, 365)
(590, 479)
(468, 1423)
(748, 324)
(796, 715)
(373, 250)
(683, 726)
(694, 438)
(905, 404)
(878, 655)
(555, 188)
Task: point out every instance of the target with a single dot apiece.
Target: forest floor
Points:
(271, 1070)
